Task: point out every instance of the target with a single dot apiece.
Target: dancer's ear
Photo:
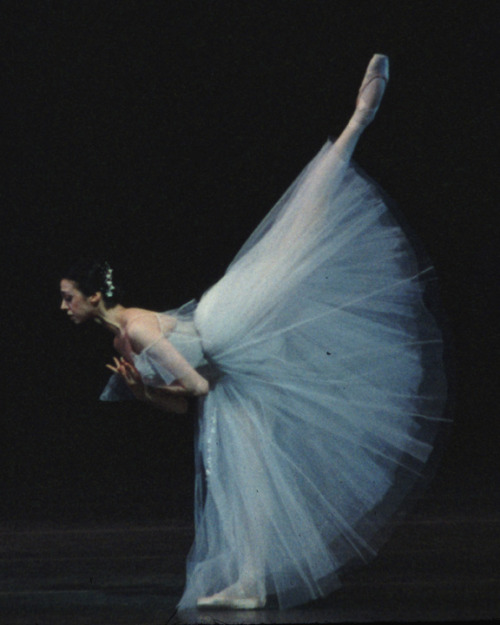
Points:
(95, 298)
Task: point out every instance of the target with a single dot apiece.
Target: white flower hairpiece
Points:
(108, 281)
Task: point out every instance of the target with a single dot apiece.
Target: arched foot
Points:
(235, 597)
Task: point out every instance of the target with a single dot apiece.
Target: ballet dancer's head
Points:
(86, 288)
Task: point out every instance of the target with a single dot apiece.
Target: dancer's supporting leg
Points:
(248, 593)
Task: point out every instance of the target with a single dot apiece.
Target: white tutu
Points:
(328, 389)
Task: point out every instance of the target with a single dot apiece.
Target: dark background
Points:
(157, 134)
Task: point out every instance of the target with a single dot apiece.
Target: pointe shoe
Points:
(232, 598)
(371, 90)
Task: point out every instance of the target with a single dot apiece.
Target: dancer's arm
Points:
(159, 397)
(188, 382)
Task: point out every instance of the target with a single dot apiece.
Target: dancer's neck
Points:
(113, 319)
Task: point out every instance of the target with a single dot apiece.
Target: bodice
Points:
(184, 337)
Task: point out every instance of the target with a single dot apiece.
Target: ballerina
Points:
(319, 376)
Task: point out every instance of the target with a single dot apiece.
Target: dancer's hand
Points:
(131, 376)
(167, 398)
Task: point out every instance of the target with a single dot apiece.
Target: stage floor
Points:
(439, 565)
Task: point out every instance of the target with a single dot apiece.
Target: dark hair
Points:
(91, 276)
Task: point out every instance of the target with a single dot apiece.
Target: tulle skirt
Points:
(328, 391)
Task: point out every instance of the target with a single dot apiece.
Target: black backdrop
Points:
(157, 134)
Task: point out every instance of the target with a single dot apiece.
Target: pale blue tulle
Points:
(327, 390)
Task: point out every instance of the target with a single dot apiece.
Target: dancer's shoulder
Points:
(145, 326)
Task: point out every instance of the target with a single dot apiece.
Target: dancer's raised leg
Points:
(369, 99)
(249, 590)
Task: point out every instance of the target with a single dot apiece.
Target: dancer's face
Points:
(79, 307)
